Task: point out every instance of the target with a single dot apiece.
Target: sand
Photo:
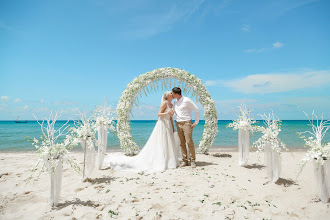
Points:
(217, 189)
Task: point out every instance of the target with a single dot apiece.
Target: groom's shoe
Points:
(193, 164)
(183, 164)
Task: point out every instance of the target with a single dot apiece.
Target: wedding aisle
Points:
(217, 189)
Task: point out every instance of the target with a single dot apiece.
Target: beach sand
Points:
(217, 189)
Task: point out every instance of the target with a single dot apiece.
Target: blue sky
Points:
(69, 55)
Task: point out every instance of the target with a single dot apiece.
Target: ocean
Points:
(12, 134)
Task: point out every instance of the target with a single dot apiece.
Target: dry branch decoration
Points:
(164, 77)
(270, 134)
(48, 150)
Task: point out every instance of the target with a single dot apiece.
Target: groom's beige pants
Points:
(185, 134)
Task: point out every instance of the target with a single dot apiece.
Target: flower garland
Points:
(48, 150)
(270, 134)
(166, 77)
(244, 121)
(318, 151)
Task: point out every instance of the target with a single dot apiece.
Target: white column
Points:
(89, 158)
(103, 139)
(243, 147)
(272, 162)
(55, 182)
(322, 177)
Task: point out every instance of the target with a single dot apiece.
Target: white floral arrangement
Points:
(84, 130)
(317, 151)
(244, 121)
(270, 134)
(50, 151)
(166, 77)
(103, 115)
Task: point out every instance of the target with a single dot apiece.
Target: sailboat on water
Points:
(20, 121)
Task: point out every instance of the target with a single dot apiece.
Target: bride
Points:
(162, 150)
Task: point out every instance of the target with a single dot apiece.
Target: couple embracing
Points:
(165, 148)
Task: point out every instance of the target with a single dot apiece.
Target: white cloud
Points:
(5, 98)
(277, 82)
(149, 107)
(246, 28)
(157, 21)
(17, 100)
(253, 50)
(42, 101)
(278, 44)
(3, 106)
(212, 82)
(26, 107)
(235, 101)
(65, 103)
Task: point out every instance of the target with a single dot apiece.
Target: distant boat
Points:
(21, 121)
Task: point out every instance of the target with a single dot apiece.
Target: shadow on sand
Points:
(221, 155)
(77, 202)
(100, 180)
(203, 164)
(285, 182)
(255, 166)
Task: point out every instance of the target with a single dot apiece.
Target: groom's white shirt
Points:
(182, 109)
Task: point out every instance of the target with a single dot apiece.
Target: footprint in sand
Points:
(99, 187)
(157, 206)
(4, 174)
(78, 190)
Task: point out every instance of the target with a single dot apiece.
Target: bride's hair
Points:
(166, 94)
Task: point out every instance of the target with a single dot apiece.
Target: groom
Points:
(182, 109)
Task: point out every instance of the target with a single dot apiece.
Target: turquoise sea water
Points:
(12, 134)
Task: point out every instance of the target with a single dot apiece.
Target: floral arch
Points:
(166, 77)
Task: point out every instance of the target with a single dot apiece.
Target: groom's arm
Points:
(194, 107)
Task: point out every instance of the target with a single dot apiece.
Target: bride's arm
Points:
(162, 108)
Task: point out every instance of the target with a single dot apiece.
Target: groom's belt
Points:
(183, 122)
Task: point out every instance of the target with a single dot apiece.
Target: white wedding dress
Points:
(161, 152)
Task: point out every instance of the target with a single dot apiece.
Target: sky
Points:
(74, 55)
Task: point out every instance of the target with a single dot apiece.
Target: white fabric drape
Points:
(89, 158)
(322, 177)
(243, 147)
(103, 139)
(272, 163)
(55, 181)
